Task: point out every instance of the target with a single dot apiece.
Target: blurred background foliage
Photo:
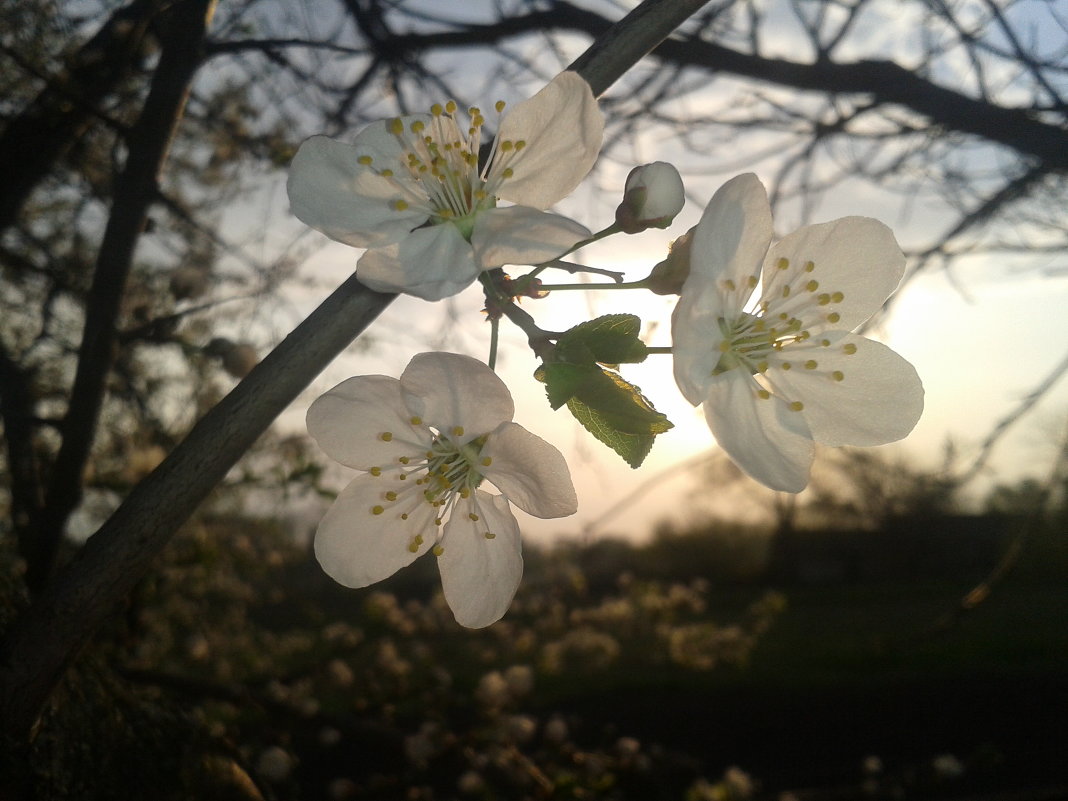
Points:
(888, 662)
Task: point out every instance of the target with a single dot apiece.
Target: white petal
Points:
(729, 244)
(478, 575)
(530, 472)
(762, 436)
(357, 547)
(728, 248)
(522, 235)
(449, 390)
(878, 400)
(430, 263)
(333, 193)
(349, 420)
(856, 256)
(563, 128)
(695, 338)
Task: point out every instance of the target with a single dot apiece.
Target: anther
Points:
(834, 317)
(489, 535)
(796, 406)
(810, 266)
(729, 284)
(458, 431)
(403, 459)
(473, 516)
(416, 420)
(499, 105)
(849, 348)
(786, 365)
(391, 496)
(386, 436)
(396, 126)
(823, 299)
(486, 461)
(838, 375)
(400, 205)
(783, 264)
(811, 364)
(377, 510)
(450, 107)
(763, 393)
(812, 286)
(837, 297)
(786, 291)
(375, 471)
(438, 550)
(364, 160)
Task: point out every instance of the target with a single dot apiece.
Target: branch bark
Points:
(47, 636)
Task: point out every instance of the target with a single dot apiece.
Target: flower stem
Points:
(565, 287)
(495, 327)
(612, 229)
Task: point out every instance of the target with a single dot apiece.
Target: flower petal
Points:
(762, 436)
(480, 575)
(522, 235)
(530, 472)
(357, 547)
(695, 339)
(729, 244)
(430, 263)
(856, 256)
(563, 128)
(726, 251)
(349, 420)
(449, 390)
(350, 203)
(878, 399)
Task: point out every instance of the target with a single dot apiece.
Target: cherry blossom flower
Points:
(652, 198)
(783, 371)
(411, 190)
(425, 443)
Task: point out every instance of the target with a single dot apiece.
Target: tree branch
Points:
(33, 142)
(135, 190)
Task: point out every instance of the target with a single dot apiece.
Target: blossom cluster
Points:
(762, 334)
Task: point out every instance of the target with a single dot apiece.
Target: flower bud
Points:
(652, 197)
(668, 276)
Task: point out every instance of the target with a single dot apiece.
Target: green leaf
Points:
(563, 380)
(609, 407)
(611, 339)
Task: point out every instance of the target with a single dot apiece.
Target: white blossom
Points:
(779, 372)
(410, 189)
(425, 443)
